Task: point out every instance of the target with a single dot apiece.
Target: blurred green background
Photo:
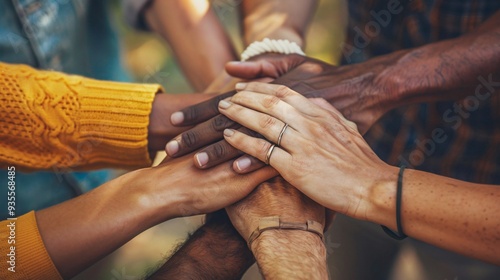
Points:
(149, 59)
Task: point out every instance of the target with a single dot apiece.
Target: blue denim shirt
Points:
(71, 36)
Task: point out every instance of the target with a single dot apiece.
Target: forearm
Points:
(277, 19)
(451, 214)
(196, 37)
(447, 70)
(79, 232)
(290, 254)
(214, 251)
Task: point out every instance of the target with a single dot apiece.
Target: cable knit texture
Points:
(32, 260)
(50, 120)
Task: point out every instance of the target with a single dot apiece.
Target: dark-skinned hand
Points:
(354, 90)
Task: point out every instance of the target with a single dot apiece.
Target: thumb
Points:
(264, 66)
(248, 70)
(269, 65)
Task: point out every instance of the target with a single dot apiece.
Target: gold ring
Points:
(281, 134)
(269, 153)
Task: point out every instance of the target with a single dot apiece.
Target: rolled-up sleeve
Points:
(132, 9)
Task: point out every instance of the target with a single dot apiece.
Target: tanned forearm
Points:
(290, 254)
(79, 232)
(447, 70)
(455, 215)
(195, 35)
(277, 19)
(214, 251)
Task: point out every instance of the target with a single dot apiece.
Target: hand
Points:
(160, 130)
(124, 207)
(176, 188)
(357, 91)
(275, 197)
(321, 153)
(352, 89)
(210, 131)
(282, 254)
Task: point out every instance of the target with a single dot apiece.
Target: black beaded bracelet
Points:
(399, 193)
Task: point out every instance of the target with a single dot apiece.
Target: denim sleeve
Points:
(132, 9)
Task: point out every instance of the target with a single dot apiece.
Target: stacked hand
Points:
(160, 130)
(359, 93)
(320, 152)
(273, 198)
(193, 191)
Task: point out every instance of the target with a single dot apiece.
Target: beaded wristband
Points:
(274, 46)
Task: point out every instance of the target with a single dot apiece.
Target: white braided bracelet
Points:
(270, 46)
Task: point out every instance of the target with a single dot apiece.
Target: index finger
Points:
(199, 136)
(200, 112)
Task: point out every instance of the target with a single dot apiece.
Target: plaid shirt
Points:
(471, 151)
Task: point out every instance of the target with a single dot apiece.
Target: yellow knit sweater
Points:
(49, 120)
(53, 121)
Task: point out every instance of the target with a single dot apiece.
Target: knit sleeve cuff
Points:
(112, 122)
(33, 259)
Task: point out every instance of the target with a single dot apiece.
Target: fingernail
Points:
(172, 147)
(177, 118)
(202, 159)
(240, 86)
(243, 163)
(228, 132)
(224, 104)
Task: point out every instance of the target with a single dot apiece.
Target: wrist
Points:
(434, 74)
(281, 33)
(154, 205)
(391, 81)
(286, 254)
(381, 197)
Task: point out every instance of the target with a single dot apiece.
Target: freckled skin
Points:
(455, 212)
(434, 208)
(438, 210)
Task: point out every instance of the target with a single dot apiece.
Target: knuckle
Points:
(267, 122)
(282, 91)
(270, 101)
(189, 139)
(222, 151)
(321, 129)
(219, 150)
(353, 125)
(263, 147)
(221, 122)
(190, 113)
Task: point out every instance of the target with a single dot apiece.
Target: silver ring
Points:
(269, 153)
(281, 134)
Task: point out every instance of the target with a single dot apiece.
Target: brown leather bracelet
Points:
(274, 222)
